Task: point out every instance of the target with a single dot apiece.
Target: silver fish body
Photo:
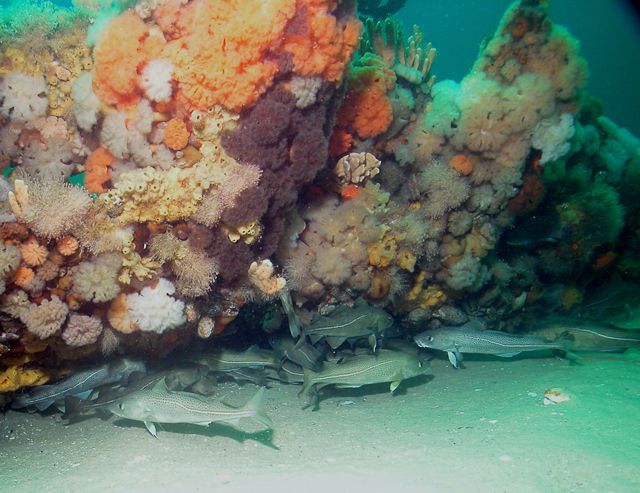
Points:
(158, 404)
(587, 336)
(467, 338)
(361, 321)
(301, 353)
(383, 367)
(225, 360)
(80, 382)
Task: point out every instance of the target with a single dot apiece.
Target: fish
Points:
(80, 383)
(468, 338)
(256, 376)
(385, 366)
(299, 352)
(225, 360)
(107, 395)
(185, 376)
(292, 317)
(288, 373)
(587, 336)
(157, 404)
(537, 232)
(361, 321)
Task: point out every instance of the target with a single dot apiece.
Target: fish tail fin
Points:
(306, 384)
(255, 407)
(566, 345)
(71, 407)
(307, 392)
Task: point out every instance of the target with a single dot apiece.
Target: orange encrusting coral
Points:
(326, 46)
(340, 142)
(349, 191)
(176, 135)
(97, 170)
(224, 58)
(373, 113)
(462, 164)
(123, 47)
(366, 108)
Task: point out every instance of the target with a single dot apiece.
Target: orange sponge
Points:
(366, 107)
(176, 135)
(97, 170)
(462, 164)
(325, 46)
(123, 47)
(225, 52)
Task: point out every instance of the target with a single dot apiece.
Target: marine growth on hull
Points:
(184, 177)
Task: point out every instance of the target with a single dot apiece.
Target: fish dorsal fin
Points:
(160, 386)
(360, 303)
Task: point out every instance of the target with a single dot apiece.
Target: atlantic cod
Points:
(361, 321)
(587, 336)
(158, 404)
(385, 366)
(301, 353)
(80, 383)
(225, 360)
(468, 338)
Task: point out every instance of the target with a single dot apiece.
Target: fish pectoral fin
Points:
(509, 355)
(455, 358)
(373, 342)
(314, 338)
(151, 428)
(335, 342)
(84, 395)
(44, 405)
(394, 385)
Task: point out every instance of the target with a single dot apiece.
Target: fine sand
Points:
(480, 429)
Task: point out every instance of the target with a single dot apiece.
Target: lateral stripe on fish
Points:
(505, 345)
(608, 337)
(352, 373)
(230, 412)
(313, 330)
(65, 391)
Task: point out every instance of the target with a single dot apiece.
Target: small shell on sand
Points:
(555, 396)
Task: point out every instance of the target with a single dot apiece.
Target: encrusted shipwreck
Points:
(157, 154)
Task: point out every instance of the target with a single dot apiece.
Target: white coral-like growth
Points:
(9, 262)
(552, 136)
(50, 208)
(115, 135)
(97, 280)
(81, 330)
(85, 102)
(444, 188)
(154, 309)
(467, 273)
(45, 319)
(155, 80)
(23, 97)
(305, 89)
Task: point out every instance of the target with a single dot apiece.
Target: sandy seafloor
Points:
(481, 429)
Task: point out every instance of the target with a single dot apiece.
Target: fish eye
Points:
(430, 338)
(121, 406)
